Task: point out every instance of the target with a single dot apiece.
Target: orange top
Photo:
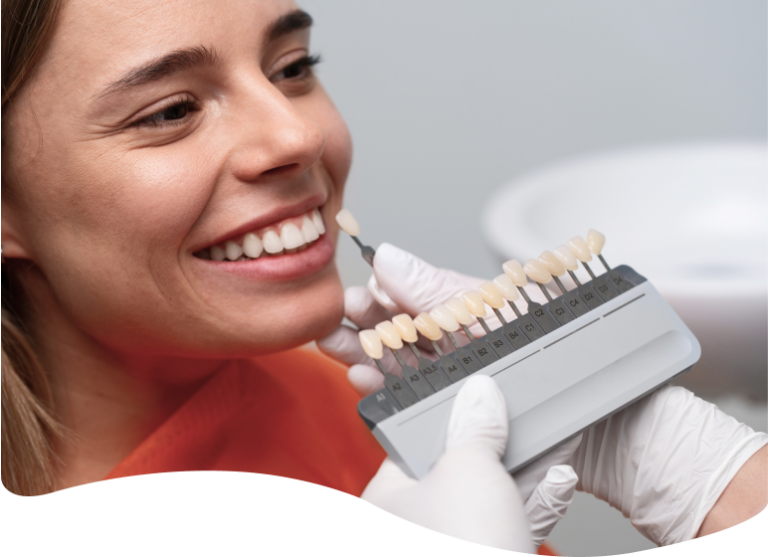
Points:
(289, 414)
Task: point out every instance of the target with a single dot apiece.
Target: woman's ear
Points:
(12, 244)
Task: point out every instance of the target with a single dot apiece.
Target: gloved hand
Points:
(468, 494)
(664, 461)
(407, 284)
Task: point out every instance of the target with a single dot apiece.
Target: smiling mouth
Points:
(291, 235)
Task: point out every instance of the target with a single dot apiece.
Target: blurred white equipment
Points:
(705, 203)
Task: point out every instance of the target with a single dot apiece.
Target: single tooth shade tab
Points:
(218, 254)
(537, 271)
(308, 230)
(553, 265)
(491, 294)
(389, 335)
(291, 236)
(317, 220)
(405, 327)
(506, 287)
(595, 241)
(371, 343)
(272, 242)
(348, 223)
(233, 251)
(566, 257)
(474, 303)
(252, 246)
(580, 249)
(459, 310)
(427, 326)
(444, 318)
(514, 270)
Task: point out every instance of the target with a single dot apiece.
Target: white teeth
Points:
(291, 236)
(252, 245)
(317, 220)
(233, 251)
(218, 254)
(309, 230)
(272, 242)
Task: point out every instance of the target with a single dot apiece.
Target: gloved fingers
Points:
(362, 309)
(378, 293)
(530, 476)
(390, 478)
(478, 417)
(550, 500)
(343, 345)
(365, 379)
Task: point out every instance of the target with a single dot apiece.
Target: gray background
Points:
(448, 100)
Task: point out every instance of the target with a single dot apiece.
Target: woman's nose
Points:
(275, 139)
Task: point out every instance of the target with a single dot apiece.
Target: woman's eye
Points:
(175, 111)
(298, 68)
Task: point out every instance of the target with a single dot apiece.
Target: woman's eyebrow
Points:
(288, 23)
(172, 63)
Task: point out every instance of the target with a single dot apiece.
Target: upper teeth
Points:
(255, 244)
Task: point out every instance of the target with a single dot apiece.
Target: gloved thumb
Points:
(549, 501)
(404, 282)
(479, 417)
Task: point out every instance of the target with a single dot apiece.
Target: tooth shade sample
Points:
(233, 251)
(537, 271)
(514, 270)
(491, 295)
(371, 343)
(459, 310)
(389, 335)
(272, 242)
(444, 318)
(218, 254)
(506, 287)
(291, 236)
(252, 246)
(580, 249)
(405, 327)
(566, 257)
(474, 303)
(428, 326)
(553, 265)
(308, 230)
(595, 241)
(317, 220)
(348, 223)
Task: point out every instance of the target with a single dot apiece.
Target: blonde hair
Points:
(29, 428)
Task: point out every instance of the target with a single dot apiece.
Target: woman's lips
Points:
(291, 235)
(286, 266)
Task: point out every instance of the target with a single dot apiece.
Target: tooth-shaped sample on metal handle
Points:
(596, 241)
(444, 318)
(371, 343)
(459, 311)
(581, 250)
(508, 291)
(405, 327)
(347, 222)
(515, 272)
(427, 326)
(491, 295)
(554, 266)
(389, 335)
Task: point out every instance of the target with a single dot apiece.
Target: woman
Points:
(170, 176)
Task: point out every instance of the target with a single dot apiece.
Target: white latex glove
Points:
(468, 494)
(665, 461)
(410, 285)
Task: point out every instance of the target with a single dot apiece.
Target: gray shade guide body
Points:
(530, 328)
(417, 382)
(619, 281)
(499, 343)
(452, 369)
(400, 390)
(514, 335)
(483, 351)
(589, 296)
(558, 385)
(468, 360)
(604, 289)
(542, 317)
(560, 311)
(574, 303)
(432, 373)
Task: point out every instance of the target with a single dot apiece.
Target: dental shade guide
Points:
(412, 376)
(429, 369)
(616, 347)
(349, 225)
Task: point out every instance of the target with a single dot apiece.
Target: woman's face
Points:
(150, 136)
